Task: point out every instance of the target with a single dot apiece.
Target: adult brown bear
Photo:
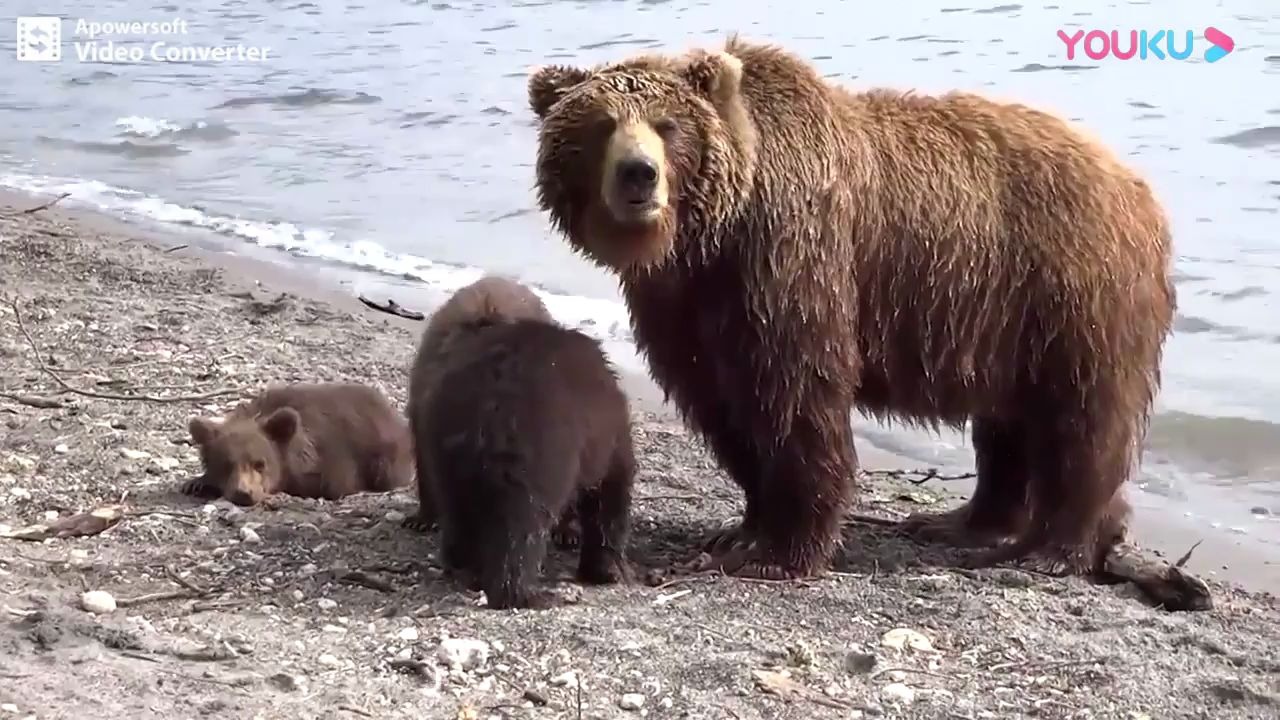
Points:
(790, 250)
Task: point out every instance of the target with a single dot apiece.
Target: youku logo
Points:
(1144, 44)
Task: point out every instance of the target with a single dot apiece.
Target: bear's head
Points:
(491, 300)
(242, 457)
(639, 155)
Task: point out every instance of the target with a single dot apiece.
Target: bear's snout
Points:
(637, 179)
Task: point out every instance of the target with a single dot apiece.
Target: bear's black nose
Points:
(638, 175)
(240, 497)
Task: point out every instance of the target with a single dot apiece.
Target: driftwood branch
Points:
(44, 206)
(1166, 585)
(391, 307)
(44, 367)
(919, 476)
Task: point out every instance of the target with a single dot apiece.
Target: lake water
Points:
(389, 146)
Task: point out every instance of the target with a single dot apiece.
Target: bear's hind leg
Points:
(426, 518)
(605, 513)
(999, 506)
(1078, 508)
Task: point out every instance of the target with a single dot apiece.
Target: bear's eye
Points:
(666, 127)
(258, 465)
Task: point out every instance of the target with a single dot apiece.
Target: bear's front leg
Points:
(800, 501)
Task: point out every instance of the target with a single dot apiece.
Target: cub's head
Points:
(490, 300)
(242, 456)
(636, 155)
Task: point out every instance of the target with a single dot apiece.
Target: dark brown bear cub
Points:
(488, 301)
(526, 421)
(308, 440)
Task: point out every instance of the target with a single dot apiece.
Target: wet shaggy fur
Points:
(935, 260)
(488, 301)
(527, 421)
(309, 440)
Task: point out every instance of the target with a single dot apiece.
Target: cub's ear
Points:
(203, 430)
(549, 83)
(282, 424)
(716, 75)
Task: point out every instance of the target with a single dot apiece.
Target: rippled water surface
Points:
(393, 139)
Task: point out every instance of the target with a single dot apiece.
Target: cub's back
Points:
(534, 388)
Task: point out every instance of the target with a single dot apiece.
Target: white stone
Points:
(394, 516)
(463, 653)
(900, 638)
(297, 595)
(21, 493)
(564, 679)
(326, 604)
(249, 535)
(61, 448)
(898, 693)
(134, 454)
(631, 701)
(50, 515)
(98, 602)
(329, 660)
(408, 634)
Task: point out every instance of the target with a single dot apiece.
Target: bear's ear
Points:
(716, 75)
(282, 425)
(203, 430)
(549, 83)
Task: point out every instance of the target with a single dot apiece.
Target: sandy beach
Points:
(112, 336)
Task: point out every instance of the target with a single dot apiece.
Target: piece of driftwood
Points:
(391, 307)
(86, 523)
(1166, 584)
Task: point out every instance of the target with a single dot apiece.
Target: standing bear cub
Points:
(308, 440)
(522, 424)
(791, 250)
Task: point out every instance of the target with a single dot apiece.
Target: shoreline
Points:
(298, 607)
(1156, 525)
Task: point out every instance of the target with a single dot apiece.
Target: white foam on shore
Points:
(605, 320)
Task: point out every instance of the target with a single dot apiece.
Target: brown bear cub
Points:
(526, 422)
(309, 440)
(791, 250)
(488, 301)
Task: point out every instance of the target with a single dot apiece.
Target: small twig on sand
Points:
(531, 695)
(1041, 666)
(356, 577)
(872, 520)
(22, 327)
(174, 576)
(1166, 585)
(45, 206)
(176, 248)
(355, 710)
(921, 476)
(34, 401)
(886, 671)
(577, 684)
(1187, 555)
(156, 597)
